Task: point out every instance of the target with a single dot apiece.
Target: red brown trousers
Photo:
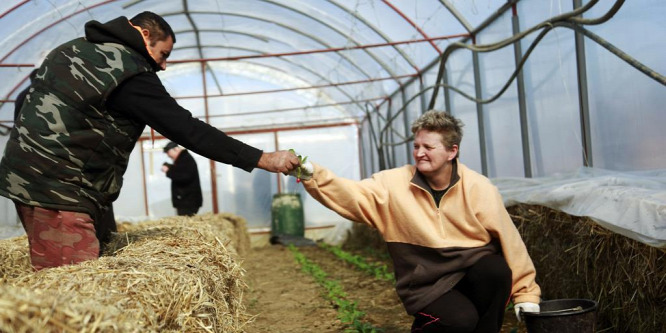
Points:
(58, 237)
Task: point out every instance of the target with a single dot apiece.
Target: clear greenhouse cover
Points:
(563, 100)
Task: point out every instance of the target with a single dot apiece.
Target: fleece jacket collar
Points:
(419, 180)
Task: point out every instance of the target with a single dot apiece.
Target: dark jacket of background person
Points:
(185, 184)
(83, 116)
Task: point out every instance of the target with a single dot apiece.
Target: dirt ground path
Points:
(281, 298)
(285, 300)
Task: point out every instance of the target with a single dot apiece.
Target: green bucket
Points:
(287, 215)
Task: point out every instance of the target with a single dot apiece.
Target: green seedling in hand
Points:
(302, 160)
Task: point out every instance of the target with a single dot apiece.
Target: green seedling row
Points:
(379, 271)
(348, 312)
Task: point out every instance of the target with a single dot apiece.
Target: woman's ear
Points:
(453, 152)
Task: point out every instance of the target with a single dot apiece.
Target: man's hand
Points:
(280, 161)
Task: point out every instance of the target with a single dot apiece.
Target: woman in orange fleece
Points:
(457, 255)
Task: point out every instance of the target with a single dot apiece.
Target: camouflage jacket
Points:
(66, 150)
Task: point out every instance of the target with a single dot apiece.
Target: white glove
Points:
(525, 307)
(303, 172)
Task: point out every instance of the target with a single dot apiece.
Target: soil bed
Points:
(284, 299)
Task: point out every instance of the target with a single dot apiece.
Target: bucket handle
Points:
(578, 308)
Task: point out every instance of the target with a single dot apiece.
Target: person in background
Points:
(458, 257)
(185, 185)
(88, 104)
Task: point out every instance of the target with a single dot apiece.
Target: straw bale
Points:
(241, 240)
(169, 275)
(14, 257)
(24, 310)
(231, 227)
(362, 237)
(577, 258)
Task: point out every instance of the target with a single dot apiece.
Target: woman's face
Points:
(430, 154)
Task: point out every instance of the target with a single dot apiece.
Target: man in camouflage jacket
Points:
(86, 107)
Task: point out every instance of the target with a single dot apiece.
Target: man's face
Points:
(430, 154)
(173, 153)
(161, 50)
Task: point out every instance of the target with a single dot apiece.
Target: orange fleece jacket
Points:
(471, 216)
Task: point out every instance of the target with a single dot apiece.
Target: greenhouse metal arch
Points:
(543, 88)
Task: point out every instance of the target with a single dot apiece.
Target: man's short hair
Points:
(158, 27)
(169, 146)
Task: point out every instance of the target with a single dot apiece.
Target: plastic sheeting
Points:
(632, 204)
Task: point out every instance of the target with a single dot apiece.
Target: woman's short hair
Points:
(443, 123)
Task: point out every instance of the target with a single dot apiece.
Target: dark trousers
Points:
(475, 304)
(105, 225)
(187, 211)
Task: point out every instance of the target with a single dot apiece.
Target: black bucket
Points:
(563, 316)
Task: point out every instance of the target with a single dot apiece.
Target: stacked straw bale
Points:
(362, 237)
(14, 257)
(172, 275)
(226, 226)
(577, 258)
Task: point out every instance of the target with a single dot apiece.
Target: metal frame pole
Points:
(522, 106)
(583, 100)
(479, 114)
